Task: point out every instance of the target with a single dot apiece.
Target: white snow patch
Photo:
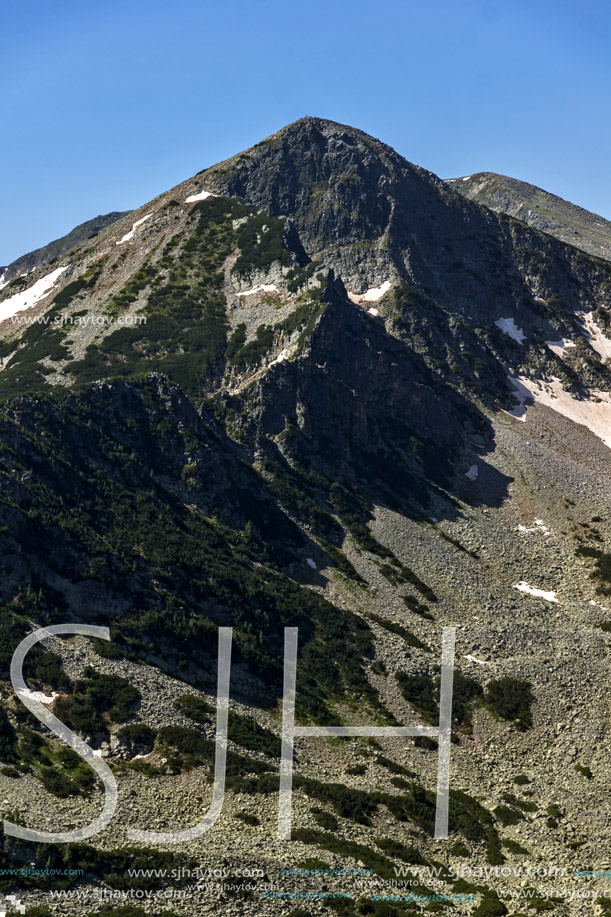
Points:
(539, 593)
(28, 298)
(282, 356)
(509, 327)
(202, 196)
(130, 235)
(39, 696)
(377, 292)
(522, 395)
(466, 178)
(472, 473)
(261, 288)
(371, 295)
(373, 311)
(593, 413)
(473, 659)
(538, 527)
(311, 563)
(5, 284)
(597, 338)
(558, 347)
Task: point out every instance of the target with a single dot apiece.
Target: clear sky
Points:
(105, 105)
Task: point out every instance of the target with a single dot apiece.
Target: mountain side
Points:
(48, 253)
(540, 209)
(311, 386)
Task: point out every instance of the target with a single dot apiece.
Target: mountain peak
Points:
(323, 125)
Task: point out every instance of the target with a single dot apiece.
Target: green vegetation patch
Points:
(94, 695)
(196, 708)
(260, 240)
(239, 353)
(400, 631)
(422, 692)
(185, 334)
(602, 567)
(510, 699)
(110, 516)
(43, 340)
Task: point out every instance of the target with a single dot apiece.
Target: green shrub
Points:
(79, 713)
(400, 631)
(324, 819)
(195, 708)
(249, 734)
(248, 818)
(46, 668)
(393, 767)
(62, 785)
(260, 242)
(240, 353)
(521, 779)
(381, 865)
(356, 805)
(236, 342)
(109, 693)
(490, 907)
(8, 738)
(514, 847)
(417, 607)
(399, 851)
(139, 735)
(193, 749)
(507, 815)
(421, 692)
(95, 695)
(459, 849)
(523, 804)
(602, 567)
(511, 699)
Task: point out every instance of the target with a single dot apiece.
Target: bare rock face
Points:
(373, 216)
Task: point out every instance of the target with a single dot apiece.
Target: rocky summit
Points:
(313, 387)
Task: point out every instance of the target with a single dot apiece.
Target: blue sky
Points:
(104, 106)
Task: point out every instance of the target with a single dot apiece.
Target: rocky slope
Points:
(312, 386)
(540, 209)
(48, 253)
